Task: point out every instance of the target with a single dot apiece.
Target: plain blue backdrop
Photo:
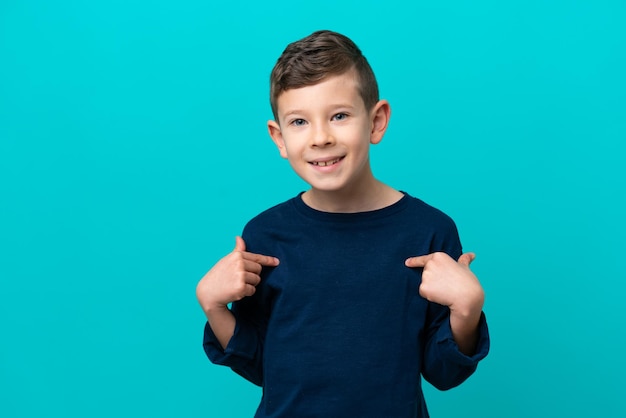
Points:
(133, 149)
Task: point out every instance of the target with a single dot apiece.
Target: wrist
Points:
(470, 305)
(215, 308)
(465, 331)
(465, 317)
(466, 311)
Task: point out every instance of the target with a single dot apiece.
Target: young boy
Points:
(343, 296)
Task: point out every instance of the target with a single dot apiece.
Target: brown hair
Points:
(319, 55)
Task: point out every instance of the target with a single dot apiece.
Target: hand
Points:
(450, 283)
(232, 278)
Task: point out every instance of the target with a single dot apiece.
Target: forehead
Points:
(334, 90)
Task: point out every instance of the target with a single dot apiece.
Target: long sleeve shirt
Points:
(338, 328)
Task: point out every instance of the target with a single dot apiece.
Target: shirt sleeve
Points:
(244, 352)
(444, 365)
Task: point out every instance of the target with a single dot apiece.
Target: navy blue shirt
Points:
(338, 328)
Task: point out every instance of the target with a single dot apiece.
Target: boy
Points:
(344, 295)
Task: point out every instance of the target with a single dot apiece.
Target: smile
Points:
(326, 163)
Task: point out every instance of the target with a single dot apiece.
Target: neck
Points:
(371, 196)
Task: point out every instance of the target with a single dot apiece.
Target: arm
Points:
(456, 335)
(443, 364)
(222, 323)
(452, 284)
(232, 278)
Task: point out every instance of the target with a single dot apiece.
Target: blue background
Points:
(133, 149)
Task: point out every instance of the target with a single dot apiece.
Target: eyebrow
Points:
(293, 112)
(331, 107)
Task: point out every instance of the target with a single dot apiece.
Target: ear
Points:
(380, 120)
(277, 136)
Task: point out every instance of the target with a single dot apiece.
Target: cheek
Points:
(292, 148)
(363, 147)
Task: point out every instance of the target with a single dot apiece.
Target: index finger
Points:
(264, 260)
(419, 261)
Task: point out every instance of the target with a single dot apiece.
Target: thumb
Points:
(240, 244)
(466, 259)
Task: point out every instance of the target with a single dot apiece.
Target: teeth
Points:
(325, 163)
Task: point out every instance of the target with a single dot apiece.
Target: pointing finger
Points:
(419, 261)
(264, 260)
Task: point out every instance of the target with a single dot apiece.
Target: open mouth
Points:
(326, 163)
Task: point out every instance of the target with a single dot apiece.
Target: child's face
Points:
(324, 130)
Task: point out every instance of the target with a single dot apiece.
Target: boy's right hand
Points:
(232, 278)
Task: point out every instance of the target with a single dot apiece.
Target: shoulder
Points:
(276, 214)
(427, 214)
(433, 228)
(269, 225)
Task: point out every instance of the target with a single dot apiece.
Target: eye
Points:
(340, 116)
(298, 122)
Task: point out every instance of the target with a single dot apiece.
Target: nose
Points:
(322, 137)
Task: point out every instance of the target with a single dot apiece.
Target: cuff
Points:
(240, 349)
(451, 350)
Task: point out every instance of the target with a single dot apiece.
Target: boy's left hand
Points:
(450, 283)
